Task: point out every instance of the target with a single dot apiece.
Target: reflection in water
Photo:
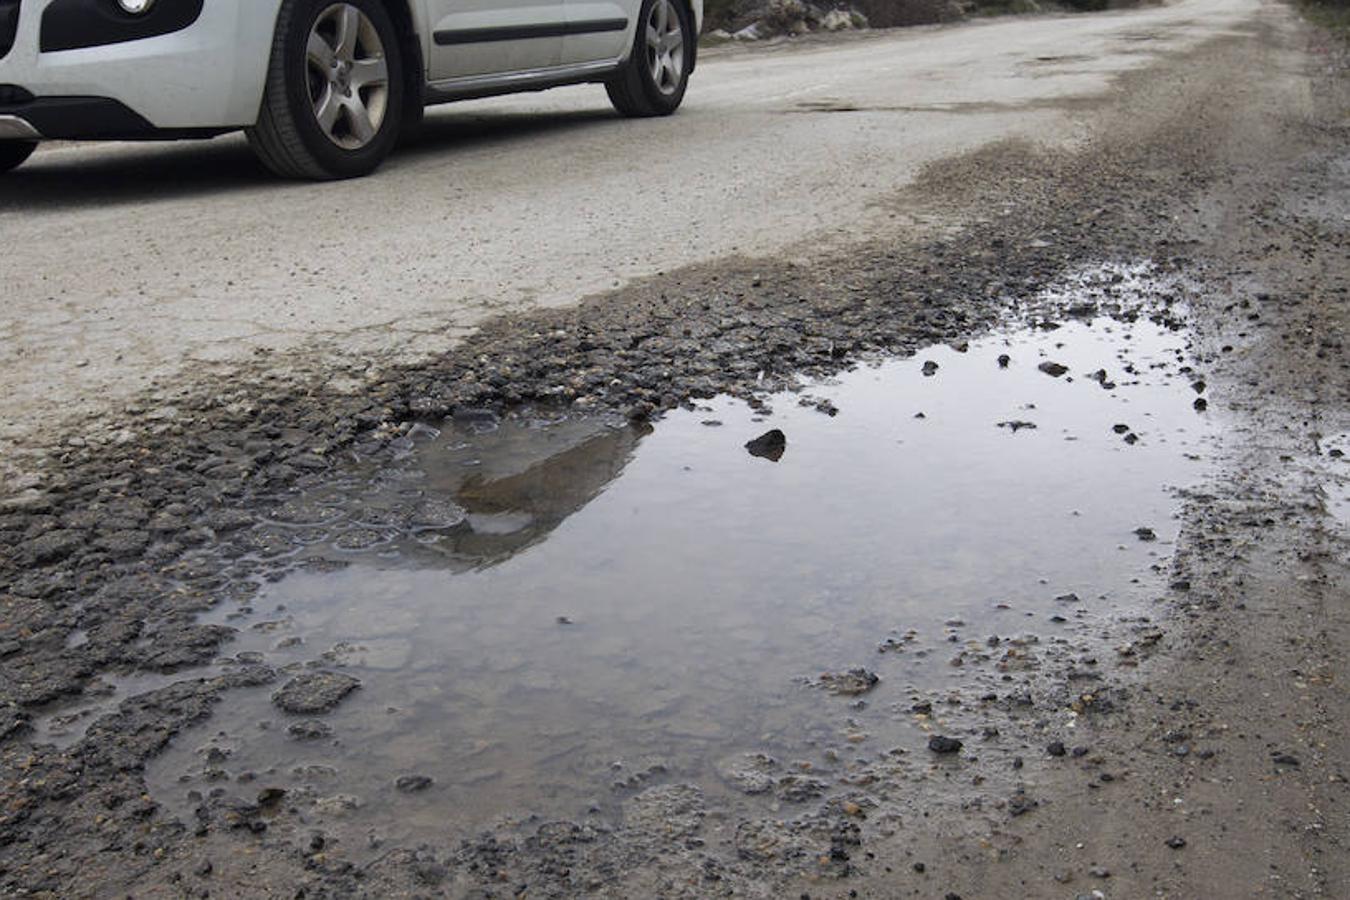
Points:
(549, 615)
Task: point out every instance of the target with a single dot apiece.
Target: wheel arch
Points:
(414, 62)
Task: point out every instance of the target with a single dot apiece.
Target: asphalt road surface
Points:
(124, 264)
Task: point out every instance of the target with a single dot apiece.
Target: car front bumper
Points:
(205, 77)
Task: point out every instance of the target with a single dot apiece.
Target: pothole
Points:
(548, 614)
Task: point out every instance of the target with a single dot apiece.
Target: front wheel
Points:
(653, 81)
(335, 90)
(14, 153)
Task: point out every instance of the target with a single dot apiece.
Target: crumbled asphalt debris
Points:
(314, 692)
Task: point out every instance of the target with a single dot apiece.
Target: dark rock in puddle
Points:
(1200, 404)
(850, 683)
(1120, 428)
(1145, 534)
(770, 445)
(930, 368)
(1067, 598)
(314, 692)
(412, 784)
(1003, 360)
(1131, 438)
(924, 707)
(310, 730)
(1053, 369)
(1016, 425)
(940, 743)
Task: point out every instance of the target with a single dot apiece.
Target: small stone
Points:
(1053, 369)
(1145, 534)
(271, 796)
(1056, 748)
(930, 368)
(1003, 360)
(411, 784)
(939, 743)
(1176, 843)
(770, 445)
(850, 683)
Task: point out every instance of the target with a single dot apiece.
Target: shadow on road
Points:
(65, 179)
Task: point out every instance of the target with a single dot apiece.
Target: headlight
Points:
(136, 7)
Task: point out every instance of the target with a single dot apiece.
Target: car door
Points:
(598, 29)
(490, 37)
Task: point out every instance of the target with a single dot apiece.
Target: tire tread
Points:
(275, 138)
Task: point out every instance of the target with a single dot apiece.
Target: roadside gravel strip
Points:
(1227, 166)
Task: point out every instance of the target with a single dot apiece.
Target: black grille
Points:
(9, 25)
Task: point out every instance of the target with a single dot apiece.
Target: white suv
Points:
(323, 89)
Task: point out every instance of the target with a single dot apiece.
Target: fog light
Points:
(136, 7)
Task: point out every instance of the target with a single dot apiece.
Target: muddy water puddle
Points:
(547, 615)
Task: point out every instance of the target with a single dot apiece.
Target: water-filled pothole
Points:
(546, 615)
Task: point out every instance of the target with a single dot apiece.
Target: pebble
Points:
(939, 743)
(411, 784)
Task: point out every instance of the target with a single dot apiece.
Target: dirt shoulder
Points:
(1227, 166)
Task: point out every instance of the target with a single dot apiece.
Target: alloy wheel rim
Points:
(665, 47)
(347, 75)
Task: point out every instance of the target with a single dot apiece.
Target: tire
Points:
(14, 153)
(334, 100)
(653, 81)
